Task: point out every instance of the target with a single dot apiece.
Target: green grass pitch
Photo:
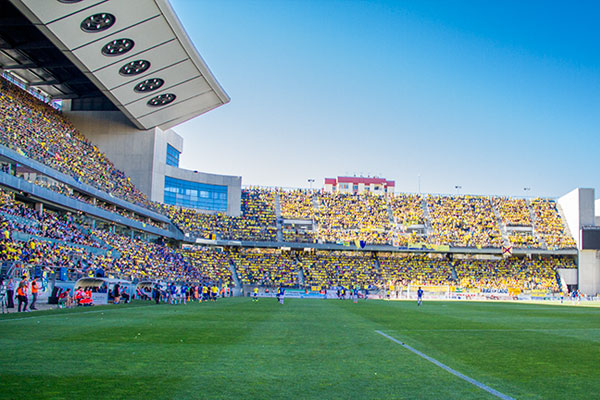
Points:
(238, 349)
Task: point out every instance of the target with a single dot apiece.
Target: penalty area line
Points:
(447, 368)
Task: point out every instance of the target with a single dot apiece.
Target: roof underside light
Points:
(98, 22)
(117, 47)
(134, 67)
(161, 100)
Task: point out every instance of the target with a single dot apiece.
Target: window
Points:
(195, 195)
(172, 156)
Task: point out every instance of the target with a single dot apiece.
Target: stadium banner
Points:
(297, 294)
(462, 290)
(432, 289)
(537, 294)
(494, 291)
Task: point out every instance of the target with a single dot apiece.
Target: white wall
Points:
(578, 208)
(130, 150)
(589, 271)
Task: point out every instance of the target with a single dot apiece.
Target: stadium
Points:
(155, 281)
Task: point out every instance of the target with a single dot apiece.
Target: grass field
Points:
(304, 349)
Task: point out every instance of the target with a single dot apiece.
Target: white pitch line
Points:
(447, 368)
(72, 314)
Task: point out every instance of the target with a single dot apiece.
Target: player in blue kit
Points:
(419, 296)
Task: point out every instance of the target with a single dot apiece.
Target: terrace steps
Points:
(234, 274)
(535, 222)
(427, 216)
(300, 276)
(279, 233)
(503, 231)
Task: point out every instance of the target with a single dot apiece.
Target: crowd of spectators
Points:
(296, 234)
(407, 209)
(38, 131)
(404, 270)
(459, 221)
(25, 219)
(463, 221)
(520, 273)
(513, 212)
(549, 224)
(326, 270)
(213, 264)
(298, 204)
(347, 218)
(523, 240)
(257, 221)
(265, 267)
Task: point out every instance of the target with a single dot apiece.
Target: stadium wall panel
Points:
(589, 272)
(578, 207)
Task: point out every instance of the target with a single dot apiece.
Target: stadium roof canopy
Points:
(130, 55)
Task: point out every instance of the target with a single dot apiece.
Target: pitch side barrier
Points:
(380, 248)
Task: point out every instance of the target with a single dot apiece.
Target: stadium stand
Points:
(40, 132)
(463, 221)
(265, 267)
(53, 238)
(334, 269)
(549, 224)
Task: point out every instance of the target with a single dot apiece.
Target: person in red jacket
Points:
(22, 294)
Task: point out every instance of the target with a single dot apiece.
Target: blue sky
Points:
(491, 96)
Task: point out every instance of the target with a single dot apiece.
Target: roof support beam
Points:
(19, 66)
(34, 66)
(57, 82)
(27, 46)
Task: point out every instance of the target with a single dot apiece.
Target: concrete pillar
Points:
(589, 272)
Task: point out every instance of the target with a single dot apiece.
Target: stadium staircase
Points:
(315, 204)
(453, 272)
(300, 277)
(95, 238)
(427, 217)
(560, 283)
(503, 231)
(534, 219)
(377, 265)
(234, 275)
(278, 217)
(390, 212)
